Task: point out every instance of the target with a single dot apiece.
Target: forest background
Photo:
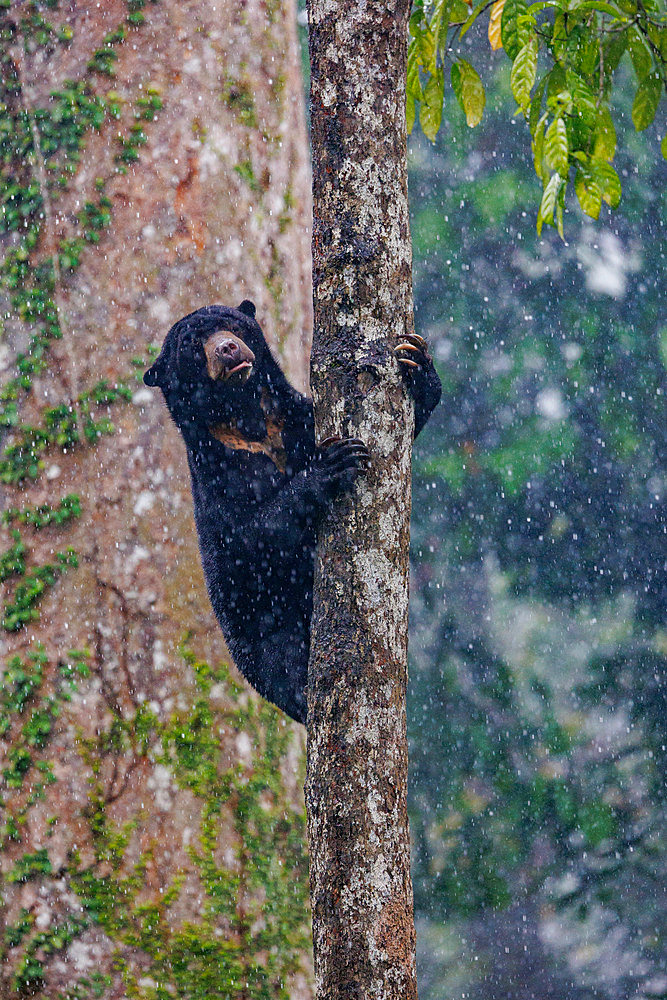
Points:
(537, 706)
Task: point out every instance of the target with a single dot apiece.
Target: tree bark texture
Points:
(158, 159)
(361, 891)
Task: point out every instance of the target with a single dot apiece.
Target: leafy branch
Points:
(564, 55)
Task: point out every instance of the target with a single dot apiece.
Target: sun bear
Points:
(260, 482)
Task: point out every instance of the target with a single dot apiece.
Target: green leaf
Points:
(560, 209)
(583, 48)
(658, 36)
(413, 83)
(430, 112)
(473, 17)
(604, 146)
(663, 146)
(559, 37)
(555, 147)
(514, 27)
(458, 12)
(607, 180)
(613, 51)
(548, 203)
(538, 147)
(469, 91)
(536, 106)
(423, 45)
(639, 53)
(440, 22)
(583, 98)
(604, 8)
(524, 71)
(646, 101)
(416, 22)
(410, 113)
(588, 194)
(555, 83)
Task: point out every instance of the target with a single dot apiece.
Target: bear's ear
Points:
(155, 374)
(248, 308)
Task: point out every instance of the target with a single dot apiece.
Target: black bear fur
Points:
(260, 483)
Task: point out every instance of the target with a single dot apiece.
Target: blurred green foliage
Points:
(538, 708)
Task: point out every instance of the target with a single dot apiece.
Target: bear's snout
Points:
(227, 356)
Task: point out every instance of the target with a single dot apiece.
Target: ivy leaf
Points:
(524, 71)
(495, 18)
(588, 194)
(556, 148)
(513, 27)
(469, 91)
(646, 102)
(548, 204)
(430, 111)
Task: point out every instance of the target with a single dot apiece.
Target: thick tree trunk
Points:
(361, 890)
(168, 171)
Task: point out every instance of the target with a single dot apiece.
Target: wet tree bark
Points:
(361, 891)
(154, 159)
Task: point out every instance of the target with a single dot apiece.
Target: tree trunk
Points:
(361, 891)
(153, 160)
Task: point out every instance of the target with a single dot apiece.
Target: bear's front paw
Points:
(339, 460)
(412, 353)
(419, 375)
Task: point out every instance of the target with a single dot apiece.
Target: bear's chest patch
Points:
(271, 445)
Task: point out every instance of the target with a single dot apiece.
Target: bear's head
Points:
(211, 364)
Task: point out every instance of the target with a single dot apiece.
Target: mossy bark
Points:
(361, 892)
(158, 159)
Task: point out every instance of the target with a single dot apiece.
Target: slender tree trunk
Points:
(361, 891)
(153, 160)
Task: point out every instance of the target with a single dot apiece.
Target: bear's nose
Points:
(227, 355)
(228, 350)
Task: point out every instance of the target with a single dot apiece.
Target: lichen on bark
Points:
(361, 891)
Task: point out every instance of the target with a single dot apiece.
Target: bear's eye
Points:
(191, 338)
